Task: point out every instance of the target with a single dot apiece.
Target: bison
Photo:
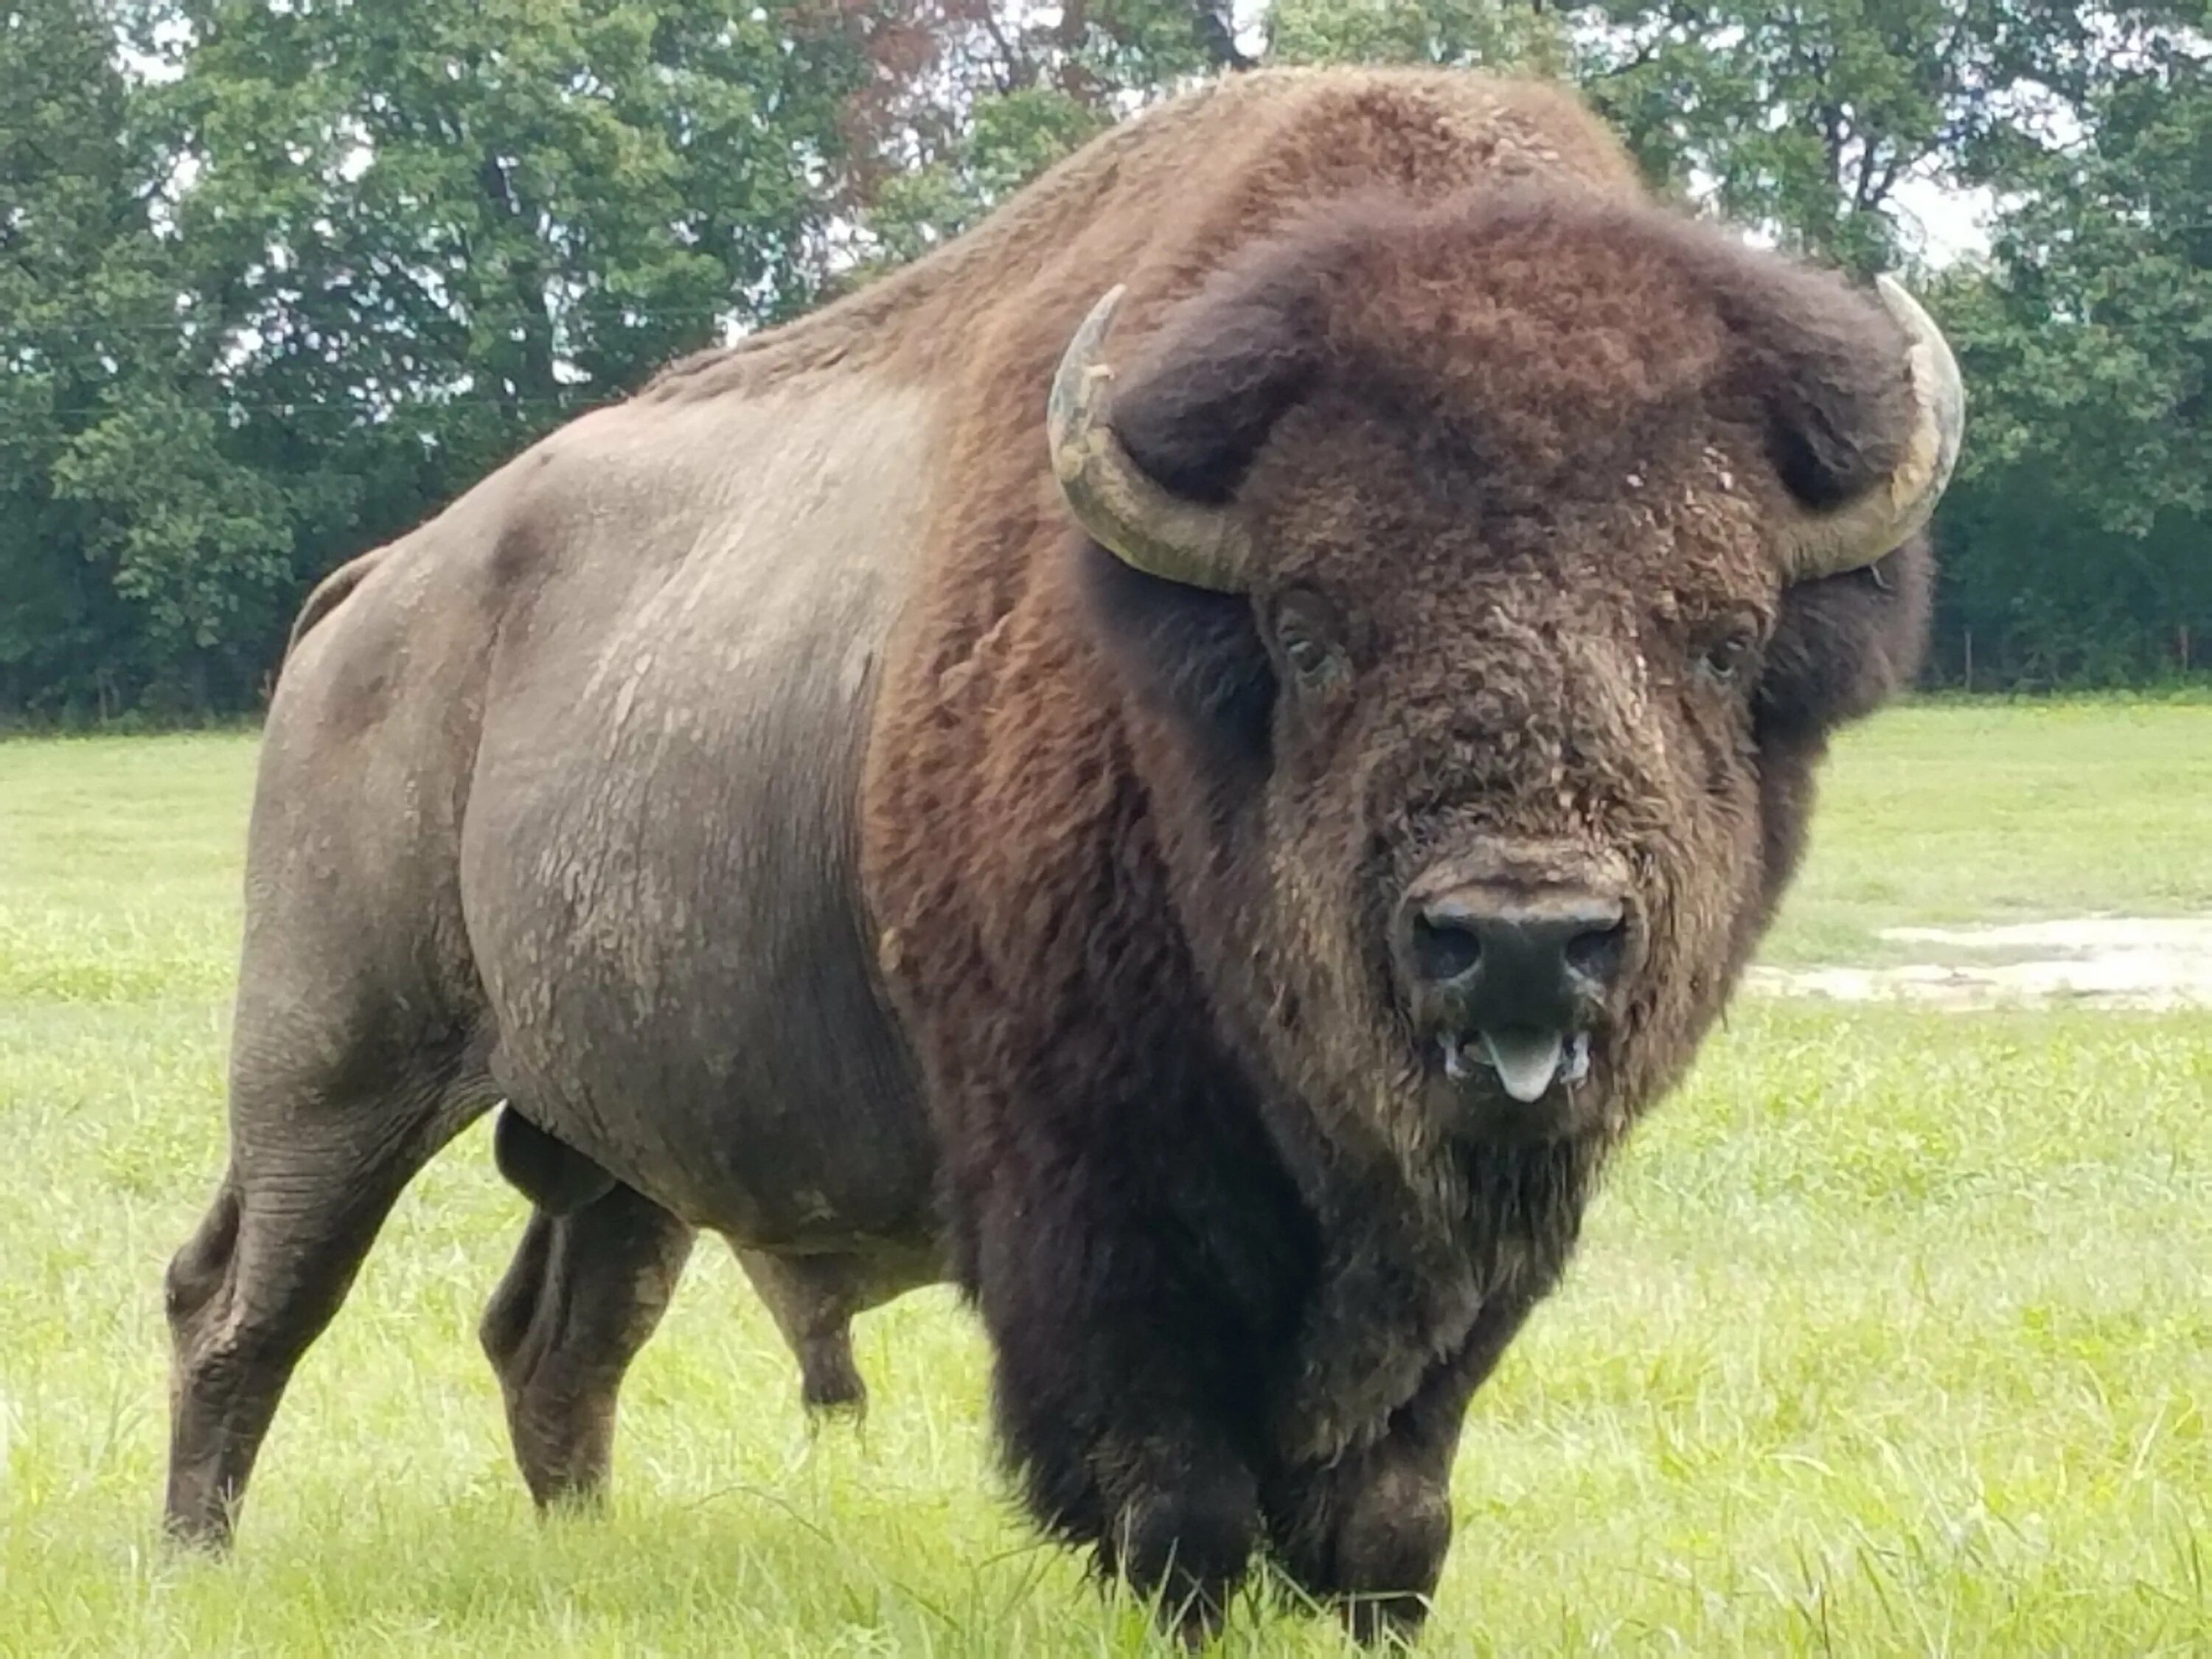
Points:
(1190, 763)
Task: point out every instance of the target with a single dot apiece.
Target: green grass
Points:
(1893, 1332)
(1989, 812)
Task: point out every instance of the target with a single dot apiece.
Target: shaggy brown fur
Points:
(765, 790)
(1516, 436)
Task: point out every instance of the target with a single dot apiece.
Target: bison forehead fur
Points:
(821, 829)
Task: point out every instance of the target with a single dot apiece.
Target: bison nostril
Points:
(1443, 950)
(1488, 953)
(1597, 954)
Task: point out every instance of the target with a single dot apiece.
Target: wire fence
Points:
(2001, 656)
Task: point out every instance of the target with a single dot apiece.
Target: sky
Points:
(1953, 224)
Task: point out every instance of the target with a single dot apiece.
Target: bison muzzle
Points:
(1191, 762)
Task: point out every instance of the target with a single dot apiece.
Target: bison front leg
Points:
(1369, 1535)
(1181, 1519)
(1104, 1411)
(812, 1300)
(1371, 1532)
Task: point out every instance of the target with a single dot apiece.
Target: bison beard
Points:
(1206, 821)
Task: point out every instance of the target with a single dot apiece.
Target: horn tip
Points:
(1102, 311)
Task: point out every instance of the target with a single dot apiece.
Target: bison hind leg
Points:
(584, 1292)
(813, 1299)
(552, 1174)
(314, 1169)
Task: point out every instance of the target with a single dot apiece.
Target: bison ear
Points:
(1193, 654)
(1820, 363)
(1201, 397)
(1194, 407)
(1843, 645)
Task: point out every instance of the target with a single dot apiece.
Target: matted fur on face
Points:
(1513, 468)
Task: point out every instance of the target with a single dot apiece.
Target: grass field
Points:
(1893, 1332)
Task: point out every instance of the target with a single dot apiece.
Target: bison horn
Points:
(1163, 535)
(1857, 534)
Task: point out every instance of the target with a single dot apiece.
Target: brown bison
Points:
(1202, 814)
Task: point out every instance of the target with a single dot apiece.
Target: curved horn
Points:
(1857, 535)
(1129, 514)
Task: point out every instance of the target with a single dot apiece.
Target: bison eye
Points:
(1305, 633)
(1723, 659)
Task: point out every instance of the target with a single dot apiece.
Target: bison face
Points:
(1483, 581)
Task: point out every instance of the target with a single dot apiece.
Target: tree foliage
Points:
(2080, 537)
(278, 277)
(122, 522)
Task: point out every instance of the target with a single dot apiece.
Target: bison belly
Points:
(658, 861)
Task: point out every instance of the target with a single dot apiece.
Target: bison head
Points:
(1482, 580)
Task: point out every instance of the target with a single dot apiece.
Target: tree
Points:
(969, 100)
(334, 262)
(329, 263)
(131, 547)
(1804, 119)
(2082, 522)
(436, 230)
(1496, 34)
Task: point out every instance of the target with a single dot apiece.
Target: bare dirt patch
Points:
(2094, 962)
